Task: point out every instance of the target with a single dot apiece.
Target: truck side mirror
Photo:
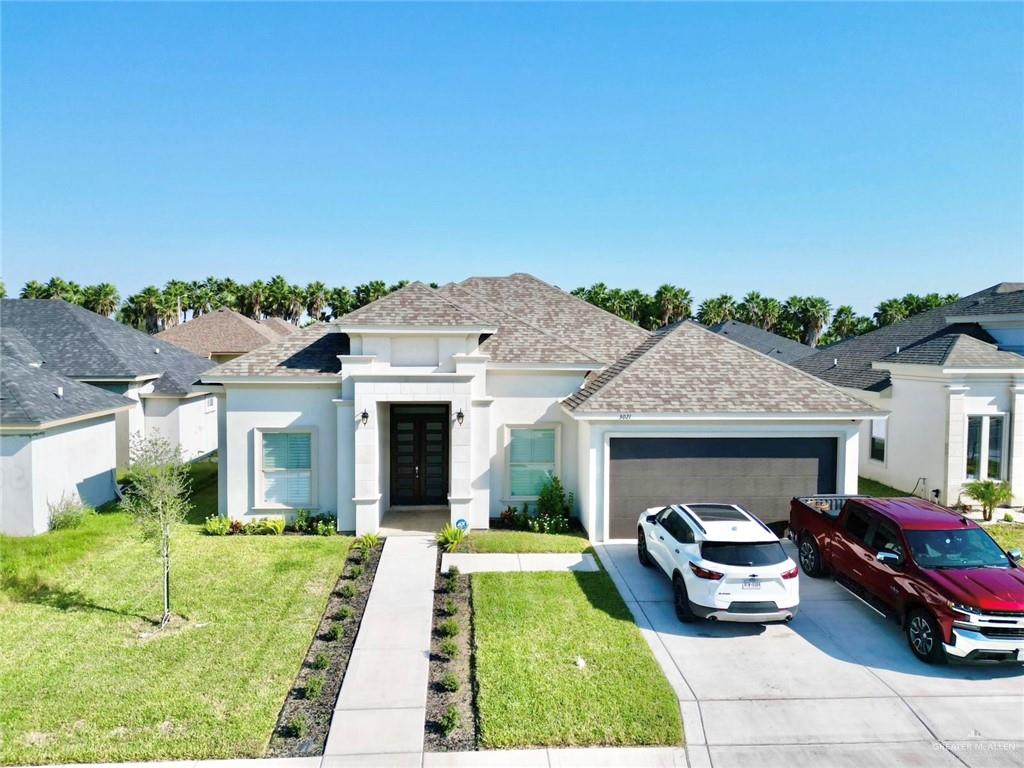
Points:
(1014, 554)
(889, 558)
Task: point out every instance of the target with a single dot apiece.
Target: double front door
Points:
(419, 454)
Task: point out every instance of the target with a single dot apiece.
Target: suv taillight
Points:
(791, 574)
(704, 573)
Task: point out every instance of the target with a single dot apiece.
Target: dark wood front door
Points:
(419, 454)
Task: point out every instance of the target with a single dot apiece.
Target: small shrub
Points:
(554, 506)
(324, 527)
(367, 541)
(355, 571)
(334, 632)
(321, 661)
(237, 527)
(298, 727)
(355, 555)
(450, 682)
(314, 687)
(449, 538)
(268, 526)
(453, 570)
(347, 590)
(449, 648)
(345, 612)
(450, 720)
(215, 525)
(450, 607)
(448, 628)
(990, 494)
(1007, 518)
(300, 522)
(69, 512)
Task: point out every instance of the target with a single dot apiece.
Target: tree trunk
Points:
(166, 551)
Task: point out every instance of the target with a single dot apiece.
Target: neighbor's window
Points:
(985, 435)
(287, 468)
(531, 460)
(878, 434)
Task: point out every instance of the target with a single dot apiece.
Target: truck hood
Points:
(992, 589)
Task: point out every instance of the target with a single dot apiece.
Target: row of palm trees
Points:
(809, 319)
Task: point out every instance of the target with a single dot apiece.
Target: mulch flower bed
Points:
(305, 718)
(451, 723)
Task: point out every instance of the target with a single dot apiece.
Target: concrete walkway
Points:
(502, 563)
(381, 706)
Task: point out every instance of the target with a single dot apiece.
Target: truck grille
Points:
(758, 606)
(1002, 632)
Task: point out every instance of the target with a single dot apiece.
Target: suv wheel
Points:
(810, 557)
(681, 600)
(925, 637)
(641, 549)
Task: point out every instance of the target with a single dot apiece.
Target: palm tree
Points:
(148, 301)
(814, 315)
(890, 311)
(202, 300)
(771, 313)
(167, 312)
(275, 303)
(844, 323)
(717, 310)
(33, 289)
(341, 301)
(369, 292)
(251, 299)
(749, 309)
(316, 298)
(672, 303)
(990, 494)
(59, 288)
(101, 298)
(294, 304)
(177, 292)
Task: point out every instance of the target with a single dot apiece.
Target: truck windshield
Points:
(965, 548)
(743, 553)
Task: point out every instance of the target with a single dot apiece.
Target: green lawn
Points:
(1008, 535)
(500, 541)
(874, 488)
(529, 630)
(78, 684)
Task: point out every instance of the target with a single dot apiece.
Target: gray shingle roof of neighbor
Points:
(767, 343)
(687, 368)
(77, 343)
(221, 331)
(30, 394)
(600, 334)
(414, 305)
(956, 350)
(848, 363)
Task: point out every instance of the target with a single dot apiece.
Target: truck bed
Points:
(825, 504)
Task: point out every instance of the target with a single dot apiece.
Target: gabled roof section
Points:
(515, 340)
(600, 334)
(310, 351)
(849, 363)
(415, 305)
(221, 331)
(31, 395)
(767, 343)
(282, 327)
(955, 350)
(689, 369)
(77, 343)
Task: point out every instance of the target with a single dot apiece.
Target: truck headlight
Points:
(961, 608)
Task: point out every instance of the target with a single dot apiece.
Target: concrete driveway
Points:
(836, 686)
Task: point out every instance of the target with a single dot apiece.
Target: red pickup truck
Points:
(947, 582)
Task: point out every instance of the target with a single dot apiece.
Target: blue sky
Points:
(851, 151)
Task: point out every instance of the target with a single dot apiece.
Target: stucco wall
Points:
(17, 505)
(184, 422)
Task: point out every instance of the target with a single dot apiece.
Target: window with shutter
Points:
(531, 460)
(287, 468)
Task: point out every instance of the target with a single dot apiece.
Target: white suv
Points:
(724, 563)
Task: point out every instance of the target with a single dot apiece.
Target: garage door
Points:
(761, 474)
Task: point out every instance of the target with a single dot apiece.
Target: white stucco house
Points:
(466, 398)
(953, 381)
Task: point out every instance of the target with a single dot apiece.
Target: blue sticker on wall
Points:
(461, 524)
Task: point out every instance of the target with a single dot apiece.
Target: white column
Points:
(222, 453)
(847, 474)
(1015, 470)
(956, 443)
(346, 471)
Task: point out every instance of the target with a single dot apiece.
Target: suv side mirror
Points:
(652, 519)
(889, 558)
(1014, 554)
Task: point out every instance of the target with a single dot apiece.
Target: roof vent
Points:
(835, 362)
(60, 392)
(156, 350)
(897, 349)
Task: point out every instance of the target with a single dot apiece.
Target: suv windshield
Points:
(964, 548)
(741, 553)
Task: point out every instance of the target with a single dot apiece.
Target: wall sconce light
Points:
(460, 417)
(364, 417)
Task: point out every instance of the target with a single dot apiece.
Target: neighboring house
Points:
(953, 380)
(57, 440)
(157, 376)
(224, 334)
(470, 396)
(767, 343)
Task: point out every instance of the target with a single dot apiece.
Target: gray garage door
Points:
(761, 474)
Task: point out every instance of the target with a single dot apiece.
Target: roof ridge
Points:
(502, 310)
(73, 311)
(616, 369)
(415, 284)
(621, 320)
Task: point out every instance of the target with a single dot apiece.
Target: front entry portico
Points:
(419, 455)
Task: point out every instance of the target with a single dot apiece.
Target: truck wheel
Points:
(810, 557)
(681, 600)
(641, 549)
(925, 637)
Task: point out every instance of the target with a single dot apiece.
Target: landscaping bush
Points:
(325, 527)
(298, 727)
(554, 506)
(334, 632)
(267, 526)
(321, 661)
(215, 525)
(366, 542)
(355, 571)
(990, 494)
(449, 538)
(300, 522)
(1007, 518)
(314, 687)
(345, 612)
(448, 628)
(69, 512)
(450, 720)
(237, 527)
(515, 518)
(449, 648)
(450, 608)
(347, 591)
(450, 683)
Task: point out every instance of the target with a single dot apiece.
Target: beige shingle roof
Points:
(414, 305)
(222, 331)
(310, 351)
(690, 369)
(600, 334)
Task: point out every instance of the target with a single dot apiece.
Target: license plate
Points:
(751, 584)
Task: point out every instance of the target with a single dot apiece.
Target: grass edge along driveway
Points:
(78, 685)
(529, 630)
